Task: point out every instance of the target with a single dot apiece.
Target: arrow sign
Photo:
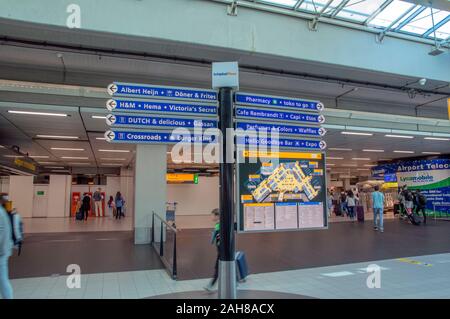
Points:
(277, 101)
(152, 91)
(112, 89)
(111, 104)
(110, 119)
(110, 136)
(156, 137)
(323, 145)
(266, 115)
(158, 121)
(147, 106)
(321, 118)
(282, 128)
(281, 142)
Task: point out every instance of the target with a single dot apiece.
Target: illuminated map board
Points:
(281, 191)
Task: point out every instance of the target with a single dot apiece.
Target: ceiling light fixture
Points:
(111, 164)
(349, 165)
(67, 149)
(38, 156)
(404, 152)
(98, 117)
(13, 156)
(340, 149)
(75, 157)
(101, 138)
(334, 158)
(437, 138)
(399, 136)
(432, 153)
(115, 151)
(361, 159)
(37, 113)
(58, 136)
(55, 167)
(78, 163)
(374, 151)
(113, 159)
(356, 133)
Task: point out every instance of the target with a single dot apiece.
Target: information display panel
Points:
(280, 191)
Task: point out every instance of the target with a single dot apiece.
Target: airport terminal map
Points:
(280, 193)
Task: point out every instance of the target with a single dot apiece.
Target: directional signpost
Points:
(140, 113)
(281, 190)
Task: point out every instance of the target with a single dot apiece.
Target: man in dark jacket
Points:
(86, 206)
(421, 203)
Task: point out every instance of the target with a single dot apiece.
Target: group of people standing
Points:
(410, 203)
(115, 205)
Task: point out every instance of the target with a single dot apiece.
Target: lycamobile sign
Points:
(432, 177)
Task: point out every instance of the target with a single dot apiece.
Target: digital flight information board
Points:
(281, 191)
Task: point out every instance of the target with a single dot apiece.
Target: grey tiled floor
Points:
(413, 277)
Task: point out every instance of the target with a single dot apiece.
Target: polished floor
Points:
(422, 277)
(341, 243)
(95, 252)
(69, 224)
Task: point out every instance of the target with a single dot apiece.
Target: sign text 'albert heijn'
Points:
(153, 91)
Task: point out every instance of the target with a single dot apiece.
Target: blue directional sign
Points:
(270, 115)
(156, 137)
(275, 101)
(282, 129)
(142, 106)
(152, 91)
(157, 121)
(281, 142)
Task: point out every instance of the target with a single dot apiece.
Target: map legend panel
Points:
(281, 191)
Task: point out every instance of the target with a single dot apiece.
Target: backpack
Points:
(408, 196)
(17, 234)
(422, 200)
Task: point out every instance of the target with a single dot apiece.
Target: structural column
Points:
(149, 190)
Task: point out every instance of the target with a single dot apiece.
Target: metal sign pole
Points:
(227, 265)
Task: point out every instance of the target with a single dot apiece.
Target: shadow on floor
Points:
(342, 243)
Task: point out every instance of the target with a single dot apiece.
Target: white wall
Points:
(59, 196)
(195, 199)
(127, 188)
(4, 184)
(112, 186)
(21, 192)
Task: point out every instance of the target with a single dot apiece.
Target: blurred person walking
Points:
(378, 207)
(6, 246)
(120, 202)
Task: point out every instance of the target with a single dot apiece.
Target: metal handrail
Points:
(171, 268)
(165, 222)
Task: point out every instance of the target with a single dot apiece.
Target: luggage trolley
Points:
(171, 207)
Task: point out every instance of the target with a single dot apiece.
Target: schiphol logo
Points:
(228, 73)
(73, 281)
(374, 279)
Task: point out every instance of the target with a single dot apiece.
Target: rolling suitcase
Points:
(360, 213)
(79, 215)
(413, 219)
(242, 268)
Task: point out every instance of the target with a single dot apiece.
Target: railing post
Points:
(153, 228)
(161, 245)
(174, 266)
